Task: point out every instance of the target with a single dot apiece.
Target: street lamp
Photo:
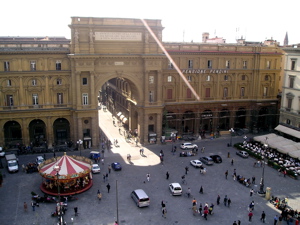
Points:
(79, 142)
(231, 131)
(261, 186)
(60, 216)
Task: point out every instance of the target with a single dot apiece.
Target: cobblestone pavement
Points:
(17, 187)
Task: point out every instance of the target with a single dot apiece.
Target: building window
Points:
(293, 64)
(85, 99)
(169, 78)
(245, 64)
(35, 99)
(225, 77)
(209, 64)
(169, 93)
(58, 65)
(291, 81)
(266, 78)
(33, 65)
(59, 81)
(288, 121)
(225, 92)
(151, 96)
(268, 64)
(243, 77)
(34, 82)
(289, 104)
(84, 81)
(170, 65)
(242, 91)
(207, 92)
(265, 91)
(189, 78)
(9, 100)
(190, 64)
(208, 78)
(151, 79)
(6, 66)
(8, 83)
(188, 93)
(227, 64)
(60, 99)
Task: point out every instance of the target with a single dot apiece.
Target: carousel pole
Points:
(60, 217)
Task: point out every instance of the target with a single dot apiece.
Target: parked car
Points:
(96, 168)
(207, 160)
(196, 163)
(187, 138)
(175, 188)
(39, 159)
(216, 158)
(188, 145)
(243, 154)
(116, 166)
(2, 153)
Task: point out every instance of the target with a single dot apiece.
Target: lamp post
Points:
(79, 142)
(60, 216)
(231, 131)
(261, 191)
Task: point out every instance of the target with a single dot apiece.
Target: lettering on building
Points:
(204, 71)
(118, 36)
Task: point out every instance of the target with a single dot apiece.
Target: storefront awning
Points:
(121, 117)
(119, 114)
(288, 131)
(124, 120)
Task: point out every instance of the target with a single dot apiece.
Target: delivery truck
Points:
(12, 163)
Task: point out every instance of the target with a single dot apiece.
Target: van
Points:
(140, 197)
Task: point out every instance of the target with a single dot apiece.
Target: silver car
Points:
(207, 160)
(188, 145)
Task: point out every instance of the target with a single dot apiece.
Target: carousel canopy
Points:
(68, 167)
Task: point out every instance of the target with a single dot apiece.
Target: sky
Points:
(183, 21)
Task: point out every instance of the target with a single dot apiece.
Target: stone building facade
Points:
(51, 87)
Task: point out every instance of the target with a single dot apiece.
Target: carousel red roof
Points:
(68, 166)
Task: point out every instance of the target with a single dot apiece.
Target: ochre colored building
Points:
(51, 87)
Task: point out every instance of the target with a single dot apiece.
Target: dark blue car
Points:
(116, 166)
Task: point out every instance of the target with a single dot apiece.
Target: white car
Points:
(95, 168)
(188, 145)
(39, 159)
(243, 154)
(175, 189)
(196, 163)
(2, 153)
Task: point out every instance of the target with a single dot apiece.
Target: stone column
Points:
(79, 130)
(47, 102)
(21, 92)
(92, 86)
(49, 132)
(159, 98)
(159, 125)
(145, 128)
(78, 91)
(25, 132)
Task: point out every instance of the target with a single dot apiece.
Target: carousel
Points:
(66, 175)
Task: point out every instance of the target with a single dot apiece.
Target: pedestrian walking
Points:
(186, 170)
(239, 222)
(228, 155)
(253, 180)
(275, 219)
(109, 168)
(218, 200)
(108, 187)
(102, 160)
(99, 195)
(228, 202)
(211, 208)
(163, 204)
(234, 223)
(205, 212)
(167, 175)
(232, 162)
(201, 190)
(263, 216)
(164, 212)
(194, 202)
(116, 223)
(226, 174)
(33, 206)
(189, 192)
(225, 200)
(106, 176)
(203, 149)
(251, 206)
(76, 210)
(141, 151)
(200, 209)
(250, 214)
(280, 220)
(25, 206)
(251, 192)
(148, 176)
